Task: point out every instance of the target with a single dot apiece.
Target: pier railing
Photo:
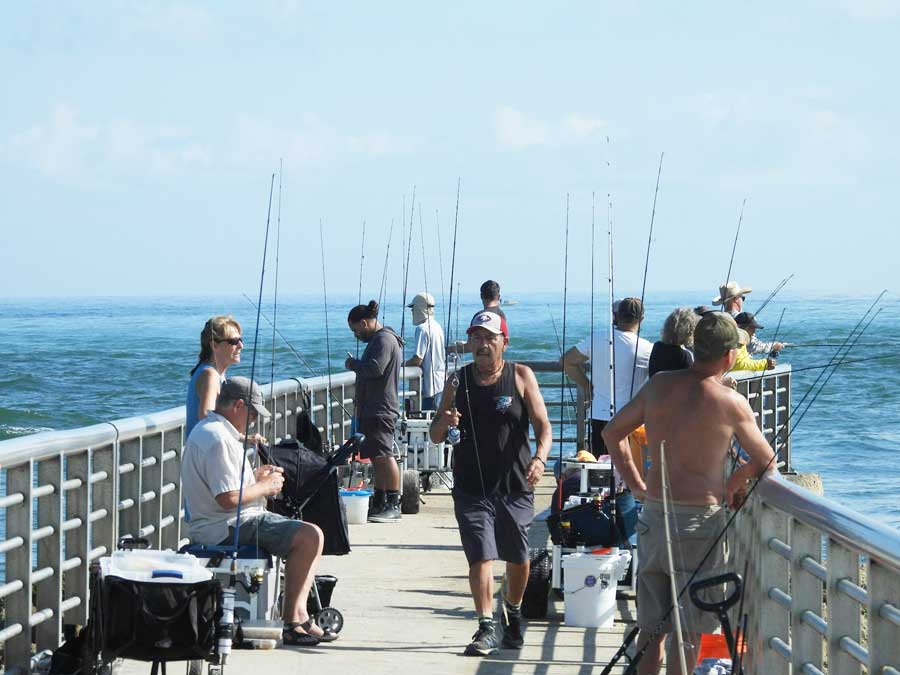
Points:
(71, 495)
(823, 582)
(823, 585)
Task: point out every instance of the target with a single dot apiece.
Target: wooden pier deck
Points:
(404, 595)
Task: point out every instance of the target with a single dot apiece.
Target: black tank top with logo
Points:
(494, 416)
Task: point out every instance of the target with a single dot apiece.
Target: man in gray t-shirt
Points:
(213, 468)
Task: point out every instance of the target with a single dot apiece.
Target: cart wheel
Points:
(330, 620)
(409, 502)
(195, 667)
(537, 589)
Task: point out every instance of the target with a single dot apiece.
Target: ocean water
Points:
(67, 363)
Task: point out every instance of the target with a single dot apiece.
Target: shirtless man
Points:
(696, 417)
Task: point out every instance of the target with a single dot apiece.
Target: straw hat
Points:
(730, 290)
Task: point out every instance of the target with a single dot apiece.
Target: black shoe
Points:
(511, 623)
(484, 642)
(376, 503)
(389, 514)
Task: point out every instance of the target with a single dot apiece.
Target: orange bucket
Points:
(714, 646)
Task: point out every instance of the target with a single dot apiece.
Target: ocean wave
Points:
(12, 431)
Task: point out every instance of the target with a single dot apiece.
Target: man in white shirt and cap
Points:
(731, 297)
(429, 354)
(631, 355)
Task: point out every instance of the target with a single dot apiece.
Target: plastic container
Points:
(590, 587)
(356, 502)
(155, 566)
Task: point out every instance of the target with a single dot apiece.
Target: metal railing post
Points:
(806, 595)
(19, 564)
(843, 611)
(49, 552)
(884, 617)
(775, 573)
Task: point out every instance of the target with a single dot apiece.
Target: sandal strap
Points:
(291, 625)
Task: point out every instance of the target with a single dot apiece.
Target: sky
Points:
(138, 141)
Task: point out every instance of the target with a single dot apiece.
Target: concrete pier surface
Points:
(405, 598)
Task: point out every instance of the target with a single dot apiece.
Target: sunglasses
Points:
(233, 341)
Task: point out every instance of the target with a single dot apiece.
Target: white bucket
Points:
(590, 587)
(356, 502)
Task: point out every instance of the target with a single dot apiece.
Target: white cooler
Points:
(590, 587)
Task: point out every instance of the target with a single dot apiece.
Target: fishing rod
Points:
(612, 317)
(362, 258)
(387, 256)
(559, 346)
(734, 248)
(637, 340)
(632, 666)
(453, 260)
(249, 401)
(773, 294)
(562, 347)
(593, 257)
(408, 244)
(882, 357)
(422, 241)
(275, 299)
(830, 374)
(437, 220)
(820, 345)
(327, 338)
(298, 355)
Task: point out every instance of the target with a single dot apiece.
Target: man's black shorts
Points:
(494, 527)
(379, 437)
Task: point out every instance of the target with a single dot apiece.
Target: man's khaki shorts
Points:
(693, 530)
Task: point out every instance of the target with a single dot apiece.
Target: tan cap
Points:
(715, 335)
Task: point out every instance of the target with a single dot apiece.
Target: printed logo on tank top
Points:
(502, 403)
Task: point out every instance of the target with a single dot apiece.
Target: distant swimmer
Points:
(492, 402)
(697, 418)
(747, 321)
(630, 373)
(377, 405)
(429, 350)
(732, 296)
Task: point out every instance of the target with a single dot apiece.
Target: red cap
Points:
(489, 321)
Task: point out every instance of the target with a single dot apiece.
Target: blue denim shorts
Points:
(270, 531)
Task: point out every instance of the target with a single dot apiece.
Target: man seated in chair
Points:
(211, 473)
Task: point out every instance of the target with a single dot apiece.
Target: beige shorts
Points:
(693, 529)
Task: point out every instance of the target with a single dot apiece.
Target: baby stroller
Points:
(310, 493)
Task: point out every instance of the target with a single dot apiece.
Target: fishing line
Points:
(562, 347)
(387, 256)
(632, 666)
(771, 295)
(637, 340)
(298, 355)
(734, 248)
(328, 417)
(559, 346)
(249, 402)
(362, 258)
(275, 299)
(847, 361)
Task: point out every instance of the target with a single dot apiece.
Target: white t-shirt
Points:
(624, 346)
(210, 466)
(430, 348)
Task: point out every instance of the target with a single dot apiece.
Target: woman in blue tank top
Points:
(220, 347)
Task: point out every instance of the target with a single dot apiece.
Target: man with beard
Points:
(377, 405)
(492, 402)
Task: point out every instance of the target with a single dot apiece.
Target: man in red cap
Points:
(492, 402)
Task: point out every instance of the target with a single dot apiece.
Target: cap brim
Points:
(261, 409)
(488, 329)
